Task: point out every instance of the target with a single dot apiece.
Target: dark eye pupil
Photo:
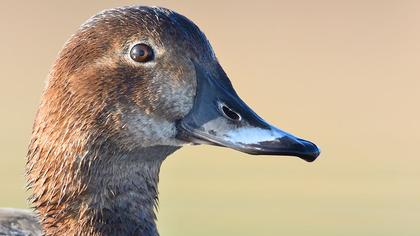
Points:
(141, 53)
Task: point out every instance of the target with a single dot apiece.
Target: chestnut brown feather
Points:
(90, 166)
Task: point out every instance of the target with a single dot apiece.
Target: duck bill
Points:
(219, 117)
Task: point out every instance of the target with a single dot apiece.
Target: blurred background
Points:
(344, 74)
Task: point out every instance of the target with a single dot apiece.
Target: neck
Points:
(114, 195)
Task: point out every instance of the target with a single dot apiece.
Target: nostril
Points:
(229, 113)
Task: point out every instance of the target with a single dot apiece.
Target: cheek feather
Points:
(150, 131)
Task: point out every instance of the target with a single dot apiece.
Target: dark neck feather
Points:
(105, 192)
(123, 193)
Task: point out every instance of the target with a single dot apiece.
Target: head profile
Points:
(130, 87)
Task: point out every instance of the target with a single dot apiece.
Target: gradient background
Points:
(344, 74)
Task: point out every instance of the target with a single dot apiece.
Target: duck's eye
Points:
(141, 53)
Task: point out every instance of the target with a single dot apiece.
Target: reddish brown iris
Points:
(141, 53)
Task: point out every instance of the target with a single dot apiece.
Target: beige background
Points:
(344, 74)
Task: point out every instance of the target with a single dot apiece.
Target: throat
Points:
(119, 196)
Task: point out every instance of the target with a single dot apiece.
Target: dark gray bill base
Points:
(219, 117)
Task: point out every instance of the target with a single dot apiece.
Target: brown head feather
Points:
(102, 116)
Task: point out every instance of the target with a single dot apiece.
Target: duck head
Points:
(151, 78)
(131, 86)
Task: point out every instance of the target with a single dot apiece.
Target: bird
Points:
(129, 88)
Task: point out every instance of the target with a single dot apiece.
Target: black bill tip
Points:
(286, 146)
(309, 151)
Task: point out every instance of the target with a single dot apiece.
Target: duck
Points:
(129, 88)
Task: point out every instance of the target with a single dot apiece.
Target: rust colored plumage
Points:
(106, 122)
(85, 130)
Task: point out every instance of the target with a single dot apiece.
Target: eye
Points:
(141, 53)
